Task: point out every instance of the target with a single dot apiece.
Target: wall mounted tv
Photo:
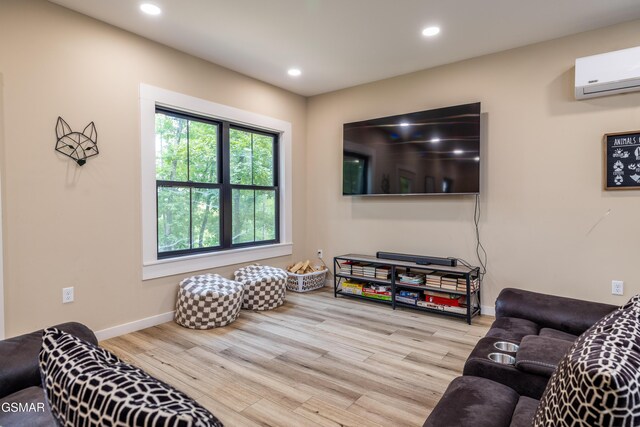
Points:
(427, 152)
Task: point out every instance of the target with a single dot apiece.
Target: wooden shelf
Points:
(459, 269)
(469, 273)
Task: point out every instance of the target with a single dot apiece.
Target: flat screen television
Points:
(427, 152)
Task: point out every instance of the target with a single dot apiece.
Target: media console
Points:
(442, 289)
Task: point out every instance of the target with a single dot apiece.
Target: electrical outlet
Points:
(67, 295)
(617, 287)
(320, 253)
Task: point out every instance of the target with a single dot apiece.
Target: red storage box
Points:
(455, 302)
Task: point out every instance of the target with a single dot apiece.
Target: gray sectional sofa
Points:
(20, 381)
(577, 363)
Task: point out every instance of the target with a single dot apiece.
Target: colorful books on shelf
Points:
(369, 271)
(383, 272)
(447, 308)
(380, 289)
(353, 288)
(462, 284)
(450, 279)
(357, 268)
(407, 297)
(377, 292)
(406, 300)
(434, 279)
(345, 267)
(449, 282)
(410, 278)
(377, 296)
(442, 298)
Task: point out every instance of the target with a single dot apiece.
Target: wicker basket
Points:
(306, 282)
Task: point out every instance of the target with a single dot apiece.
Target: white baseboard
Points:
(137, 325)
(488, 310)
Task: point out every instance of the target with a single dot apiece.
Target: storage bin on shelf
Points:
(306, 282)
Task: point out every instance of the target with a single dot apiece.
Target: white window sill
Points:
(187, 264)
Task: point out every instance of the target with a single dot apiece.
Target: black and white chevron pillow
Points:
(88, 386)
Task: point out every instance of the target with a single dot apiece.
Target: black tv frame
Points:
(446, 115)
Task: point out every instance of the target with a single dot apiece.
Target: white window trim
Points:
(152, 267)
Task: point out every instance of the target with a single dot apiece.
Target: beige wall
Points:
(72, 226)
(541, 173)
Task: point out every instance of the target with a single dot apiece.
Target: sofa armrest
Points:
(478, 364)
(549, 311)
(19, 355)
(541, 355)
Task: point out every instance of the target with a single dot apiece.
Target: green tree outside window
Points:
(191, 189)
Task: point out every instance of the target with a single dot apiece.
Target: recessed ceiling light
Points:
(477, 159)
(404, 124)
(431, 31)
(294, 72)
(458, 151)
(435, 140)
(150, 9)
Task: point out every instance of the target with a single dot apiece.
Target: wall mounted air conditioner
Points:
(608, 73)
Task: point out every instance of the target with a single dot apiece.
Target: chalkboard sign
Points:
(622, 161)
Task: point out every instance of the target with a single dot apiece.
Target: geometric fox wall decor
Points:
(77, 145)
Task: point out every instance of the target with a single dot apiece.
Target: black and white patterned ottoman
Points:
(264, 287)
(208, 301)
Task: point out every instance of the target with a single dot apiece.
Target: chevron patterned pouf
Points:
(208, 301)
(264, 287)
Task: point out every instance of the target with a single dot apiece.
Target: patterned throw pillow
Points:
(633, 302)
(88, 386)
(598, 382)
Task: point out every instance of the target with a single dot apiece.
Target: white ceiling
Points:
(343, 43)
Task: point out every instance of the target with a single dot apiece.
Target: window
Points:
(187, 180)
(354, 170)
(253, 186)
(215, 184)
(198, 188)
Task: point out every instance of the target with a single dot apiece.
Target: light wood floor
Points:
(315, 361)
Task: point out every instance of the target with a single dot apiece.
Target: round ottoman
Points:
(264, 287)
(208, 301)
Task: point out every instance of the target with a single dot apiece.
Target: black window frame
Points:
(224, 185)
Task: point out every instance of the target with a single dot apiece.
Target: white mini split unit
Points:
(608, 73)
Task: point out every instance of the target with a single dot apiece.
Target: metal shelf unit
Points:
(470, 274)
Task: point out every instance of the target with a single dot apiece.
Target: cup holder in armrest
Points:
(506, 346)
(502, 358)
